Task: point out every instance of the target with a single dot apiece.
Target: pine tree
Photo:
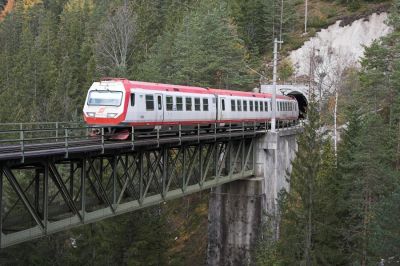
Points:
(259, 22)
(206, 51)
(301, 198)
(308, 229)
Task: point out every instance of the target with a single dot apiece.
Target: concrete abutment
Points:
(237, 209)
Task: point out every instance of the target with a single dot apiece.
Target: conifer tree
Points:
(309, 213)
(301, 209)
(206, 51)
(259, 21)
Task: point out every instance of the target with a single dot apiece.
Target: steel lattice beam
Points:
(63, 193)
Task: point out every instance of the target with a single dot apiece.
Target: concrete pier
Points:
(237, 209)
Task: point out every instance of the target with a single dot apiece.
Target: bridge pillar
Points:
(237, 210)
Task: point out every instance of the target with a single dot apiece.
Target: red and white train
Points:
(121, 102)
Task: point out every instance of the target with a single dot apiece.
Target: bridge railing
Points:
(20, 138)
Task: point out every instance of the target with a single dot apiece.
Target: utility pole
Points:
(273, 119)
(280, 28)
(305, 16)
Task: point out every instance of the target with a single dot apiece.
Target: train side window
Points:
(262, 106)
(245, 105)
(233, 105)
(256, 106)
(188, 104)
(132, 99)
(205, 104)
(266, 106)
(179, 104)
(149, 102)
(197, 106)
(223, 104)
(170, 103)
(251, 105)
(159, 102)
(239, 105)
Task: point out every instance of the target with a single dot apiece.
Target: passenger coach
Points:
(123, 103)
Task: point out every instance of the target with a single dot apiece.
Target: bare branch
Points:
(114, 41)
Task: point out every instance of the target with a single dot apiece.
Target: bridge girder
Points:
(49, 194)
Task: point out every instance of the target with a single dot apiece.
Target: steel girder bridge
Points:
(55, 176)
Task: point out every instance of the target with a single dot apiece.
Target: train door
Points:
(221, 108)
(159, 109)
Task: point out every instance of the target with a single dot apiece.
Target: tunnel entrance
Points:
(302, 102)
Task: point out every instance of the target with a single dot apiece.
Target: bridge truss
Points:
(49, 186)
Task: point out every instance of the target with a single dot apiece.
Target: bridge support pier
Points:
(237, 210)
(235, 215)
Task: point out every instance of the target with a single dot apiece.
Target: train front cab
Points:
(105, 107)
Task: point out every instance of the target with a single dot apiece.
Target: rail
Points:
(19, 139)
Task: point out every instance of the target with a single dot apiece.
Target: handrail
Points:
(66, 134)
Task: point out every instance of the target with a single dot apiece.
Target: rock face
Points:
(339, 45)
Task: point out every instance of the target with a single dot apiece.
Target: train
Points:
(120, 104)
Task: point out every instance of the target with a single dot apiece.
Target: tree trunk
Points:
(398, 149)
(335, 123)
(307, 252)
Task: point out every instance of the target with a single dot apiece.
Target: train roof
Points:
(129, 84)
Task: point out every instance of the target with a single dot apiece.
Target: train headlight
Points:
(91, 114)
(111, 115)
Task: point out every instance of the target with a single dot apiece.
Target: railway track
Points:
(70, 143)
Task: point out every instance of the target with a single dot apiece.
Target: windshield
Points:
(105, 98)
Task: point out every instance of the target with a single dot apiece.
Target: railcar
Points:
(121, 103)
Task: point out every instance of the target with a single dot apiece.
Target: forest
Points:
(342, 208)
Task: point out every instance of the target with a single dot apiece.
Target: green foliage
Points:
(299, 213)
(350, 200)
(309, 211)
(318, 22)
(45, 62)
(285, 70)
(259, 22)
(139, 238)
(205, 51)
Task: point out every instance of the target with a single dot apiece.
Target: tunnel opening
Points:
(302, 102)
